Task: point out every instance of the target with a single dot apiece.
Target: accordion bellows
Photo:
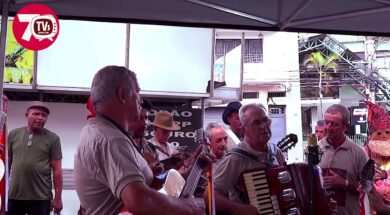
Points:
(285, 190)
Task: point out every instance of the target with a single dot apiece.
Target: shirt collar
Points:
(248, 148)
(344, 145)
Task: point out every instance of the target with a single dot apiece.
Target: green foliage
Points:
(322, 63)
(19, 62)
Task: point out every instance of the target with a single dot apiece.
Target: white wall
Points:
(280, 59)
(66, 120)
(68, 62)
(162, 55)
(281, 62)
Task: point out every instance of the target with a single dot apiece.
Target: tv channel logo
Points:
(36, 27)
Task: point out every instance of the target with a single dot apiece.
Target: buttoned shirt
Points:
(348, 157)
(162, 154)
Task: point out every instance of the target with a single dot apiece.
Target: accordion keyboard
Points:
(259, 194)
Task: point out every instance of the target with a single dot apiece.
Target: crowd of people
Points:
(115, 165)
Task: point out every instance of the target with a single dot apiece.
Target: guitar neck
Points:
(192, 181)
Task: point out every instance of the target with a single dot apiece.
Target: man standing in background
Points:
(230, 117)
(163, 125)
(35, 154)
(320, 129)
(217, 136)
(342, 160)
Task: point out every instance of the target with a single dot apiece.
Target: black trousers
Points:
(30, 207)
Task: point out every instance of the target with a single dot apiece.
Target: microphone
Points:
(313, 151)
(313, 154)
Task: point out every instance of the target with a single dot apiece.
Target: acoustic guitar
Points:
(287, 142)
(171, 182)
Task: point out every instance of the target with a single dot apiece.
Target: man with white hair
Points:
(109, 172)
(253, 152)
(218, 137)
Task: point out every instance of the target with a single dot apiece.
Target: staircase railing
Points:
(328, 45)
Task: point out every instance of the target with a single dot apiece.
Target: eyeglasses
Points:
(256, 123)
(29, 142)
(218, 140)
(333, 124)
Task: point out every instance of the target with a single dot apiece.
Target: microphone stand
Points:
(313, 157)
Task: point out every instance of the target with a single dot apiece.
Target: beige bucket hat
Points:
(165, 120)
(38, 104)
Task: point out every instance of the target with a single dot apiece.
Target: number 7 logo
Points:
(42, 23)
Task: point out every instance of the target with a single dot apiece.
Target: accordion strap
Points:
(269, 159)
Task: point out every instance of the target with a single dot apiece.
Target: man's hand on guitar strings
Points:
(179, 159)
(157, 168)
(206, 161)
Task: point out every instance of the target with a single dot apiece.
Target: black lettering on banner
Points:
(188, 119)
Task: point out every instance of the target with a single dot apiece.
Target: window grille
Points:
(276, 94)
(276, 110)
(223, 46)
(250, 95)
(253, 49)
(253, 52)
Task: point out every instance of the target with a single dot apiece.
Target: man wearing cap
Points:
(163, 125)
(35, 154)
(230, 117)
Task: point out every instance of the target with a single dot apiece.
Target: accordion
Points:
(285, 190)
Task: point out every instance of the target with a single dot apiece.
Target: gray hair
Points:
(320, 122)
(210, 127)
(107, 80)
(245, 108)
(342, 110)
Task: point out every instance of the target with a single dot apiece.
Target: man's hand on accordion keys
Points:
(334, 180)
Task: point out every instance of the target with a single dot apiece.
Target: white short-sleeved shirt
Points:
(161, 154)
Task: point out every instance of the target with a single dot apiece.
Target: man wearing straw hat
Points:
(163, 125)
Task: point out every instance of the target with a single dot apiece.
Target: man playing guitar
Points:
(109, 172)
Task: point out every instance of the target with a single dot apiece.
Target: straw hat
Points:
(165, 120)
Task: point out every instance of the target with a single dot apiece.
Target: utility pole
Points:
(371, 45)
